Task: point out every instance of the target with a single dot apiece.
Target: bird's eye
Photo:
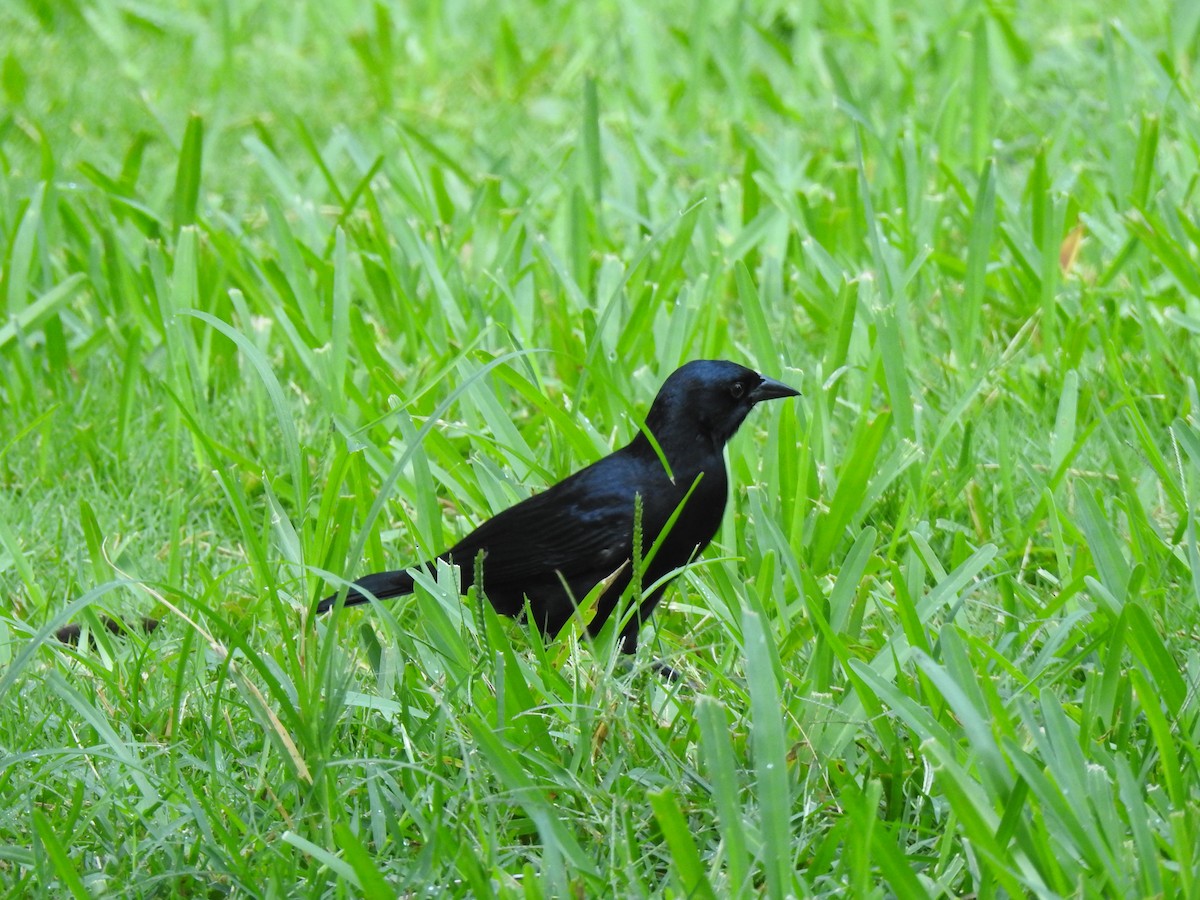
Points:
(738, 390)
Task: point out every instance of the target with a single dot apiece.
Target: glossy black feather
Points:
(556, 546)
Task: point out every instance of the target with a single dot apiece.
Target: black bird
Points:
(556, 546)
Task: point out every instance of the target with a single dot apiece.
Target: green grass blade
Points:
(721, 767)
(60, 861)
(690, 871)
(187, 174)
(771, 784)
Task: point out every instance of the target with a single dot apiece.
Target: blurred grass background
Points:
(293, 294)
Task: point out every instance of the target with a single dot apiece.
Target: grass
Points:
(293, 294)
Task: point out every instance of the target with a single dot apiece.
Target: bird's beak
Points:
(770, 389)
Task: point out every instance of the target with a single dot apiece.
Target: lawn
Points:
(293, 293)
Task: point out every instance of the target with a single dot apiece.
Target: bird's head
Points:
(707, 400)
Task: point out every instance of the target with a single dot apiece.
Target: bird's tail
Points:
(380, 586)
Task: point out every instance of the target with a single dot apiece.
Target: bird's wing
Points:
(583, 524)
